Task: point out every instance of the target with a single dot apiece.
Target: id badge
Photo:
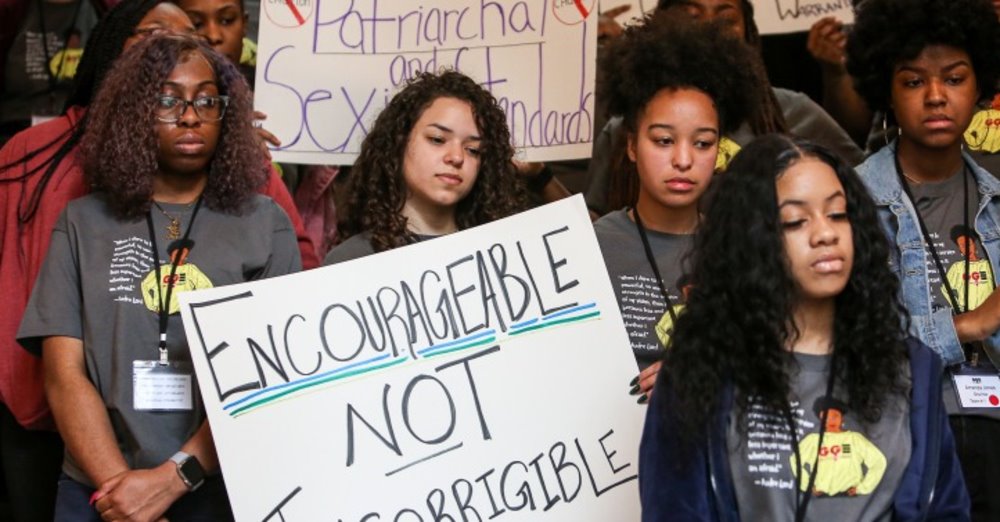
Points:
(161, 387)
(977, 387)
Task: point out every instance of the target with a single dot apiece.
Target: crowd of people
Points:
(822, 274)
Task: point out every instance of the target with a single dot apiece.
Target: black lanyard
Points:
(956, 308)
(175, 261)
(652, 264)
(802, 497)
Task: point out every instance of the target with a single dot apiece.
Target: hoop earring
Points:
(885, 128)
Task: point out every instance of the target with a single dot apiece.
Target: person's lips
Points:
(680, 184)
(938, 122)
(449, 179)
(190, 143)
(828, 264)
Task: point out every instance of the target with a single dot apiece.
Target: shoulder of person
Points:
(356, 246)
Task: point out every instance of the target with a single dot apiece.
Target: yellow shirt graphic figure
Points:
(188, 277)
(980, 274)
(849, 464)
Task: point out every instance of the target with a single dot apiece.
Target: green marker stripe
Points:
(261, 402)
(488, 340)
(557, 322)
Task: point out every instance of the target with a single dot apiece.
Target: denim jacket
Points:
(909, 260)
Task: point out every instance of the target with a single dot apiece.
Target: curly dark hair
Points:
(765, 116)
(888, 32)
(667, 53)
(377, 190)
(119, 149)
(735, 329)
(103, 47)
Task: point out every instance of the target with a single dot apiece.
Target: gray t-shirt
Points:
(640, 299)
(941, 208)
(360, 245)
(98, 284)
(860, 467)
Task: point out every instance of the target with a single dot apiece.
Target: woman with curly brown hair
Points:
(173, 157)
(437, 160)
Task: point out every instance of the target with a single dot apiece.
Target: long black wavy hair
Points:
(888, 32)
(377, 190)
(119, 148)
(738, 319)
(664, 52)
(103, 47)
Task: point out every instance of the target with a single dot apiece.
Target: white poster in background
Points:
(793, 16)
(772, 16)
(325, 68)
(476, 376)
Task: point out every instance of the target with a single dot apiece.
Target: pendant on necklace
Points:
(174, 229)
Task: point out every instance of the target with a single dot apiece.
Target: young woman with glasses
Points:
(173, 157)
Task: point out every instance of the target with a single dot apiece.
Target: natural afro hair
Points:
(888, 32)
(665, 52)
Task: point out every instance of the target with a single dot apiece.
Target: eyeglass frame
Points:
(191, 103)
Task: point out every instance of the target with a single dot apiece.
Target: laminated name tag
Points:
(977, 389)
(161, 387)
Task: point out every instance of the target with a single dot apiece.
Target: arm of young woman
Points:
(83, 421)
(978, 324)
(145, 494)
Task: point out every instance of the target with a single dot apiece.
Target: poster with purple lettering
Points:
(477, 376)
(325, 68)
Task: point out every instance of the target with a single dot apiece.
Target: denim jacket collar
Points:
(886, 189)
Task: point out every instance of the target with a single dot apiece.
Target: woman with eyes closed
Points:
(174, 161)
(675, 109)
(437, 160)
(926, 64)
(790, 390)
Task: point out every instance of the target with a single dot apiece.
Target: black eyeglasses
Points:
(170, 109)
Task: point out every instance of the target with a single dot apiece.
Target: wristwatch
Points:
(189, 469)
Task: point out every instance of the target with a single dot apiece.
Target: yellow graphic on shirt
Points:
(188, 277)
(63, 65)
(983, 133)
(727, 149)
(980, 274)
(849, 464)
(665, 325)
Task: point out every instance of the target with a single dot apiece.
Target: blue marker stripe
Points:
(271, 389)
(524, 323)
(569, 311)
(487, 333)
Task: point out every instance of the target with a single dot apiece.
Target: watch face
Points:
(192, 472)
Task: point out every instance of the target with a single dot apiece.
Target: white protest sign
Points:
(772, 16)
(792, 16)
(479, 375)
(325, 68)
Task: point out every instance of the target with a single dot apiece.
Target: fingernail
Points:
(95, 497)
(634, 390)
(643, 398)
(634, 381)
